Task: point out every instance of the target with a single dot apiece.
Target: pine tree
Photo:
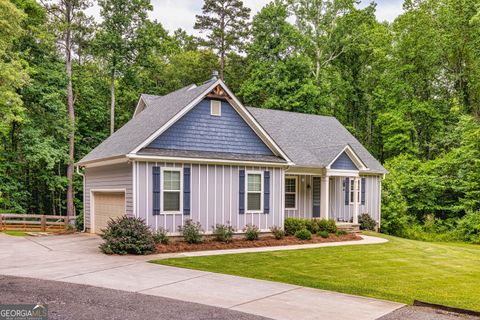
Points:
(226, 22)
(118, 37)
(67, 17)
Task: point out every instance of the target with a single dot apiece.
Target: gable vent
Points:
(215, 108)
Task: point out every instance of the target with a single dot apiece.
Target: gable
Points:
(198, 130)
(343, 162)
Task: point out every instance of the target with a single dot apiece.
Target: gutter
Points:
(83, 200)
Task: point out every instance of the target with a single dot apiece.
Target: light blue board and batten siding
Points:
(214, 196)
(117, 176)
(338, 209)
(198, 130)
(344, 162)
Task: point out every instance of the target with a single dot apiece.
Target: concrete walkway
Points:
(76, 259)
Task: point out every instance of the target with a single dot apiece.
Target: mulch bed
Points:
(267, 241)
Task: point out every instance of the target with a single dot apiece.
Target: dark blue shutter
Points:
(186, 191)
(241, 191)
(266, 192)
(347, 191)
(156, 190)
(363, 190)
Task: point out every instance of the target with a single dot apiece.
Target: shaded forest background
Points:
(408, 90)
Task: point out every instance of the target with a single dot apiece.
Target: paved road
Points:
(77, 259)
(80, 302)
(421, 313)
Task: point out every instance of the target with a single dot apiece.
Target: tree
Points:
(317, 21)
(279, 77)
(117, 39)
(66, 18)
(13, 75)
(227, 24)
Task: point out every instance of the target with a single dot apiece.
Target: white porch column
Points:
(324, 197)
(356, 204)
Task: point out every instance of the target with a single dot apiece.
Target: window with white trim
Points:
(254, 191)
(215, 108)
(171, 191)
(352, 191)
(291, 192)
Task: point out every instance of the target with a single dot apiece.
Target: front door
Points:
(316, 197)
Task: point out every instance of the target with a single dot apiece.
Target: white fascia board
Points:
(353, 156)
(132, 156)
(237, 105)
(247, 116)
(342, 173)
(174, 119)
(104, 162)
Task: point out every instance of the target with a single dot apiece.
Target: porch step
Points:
(349, 227)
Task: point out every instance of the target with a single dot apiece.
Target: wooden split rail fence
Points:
(32, 222)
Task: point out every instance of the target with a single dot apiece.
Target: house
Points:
(198, 153)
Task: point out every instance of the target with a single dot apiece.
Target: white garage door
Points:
(107, 206)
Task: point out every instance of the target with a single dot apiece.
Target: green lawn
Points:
(15, 233)
(400, 270)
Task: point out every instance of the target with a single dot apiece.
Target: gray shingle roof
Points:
(211, 155)
(160, 109)
(308, 140)
(311, 140)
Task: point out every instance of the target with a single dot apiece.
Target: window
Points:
(215, 108)
(254, 192)
(352, 191)
(291, 192)
(171, 190)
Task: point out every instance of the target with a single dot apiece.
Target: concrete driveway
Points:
(77, 259)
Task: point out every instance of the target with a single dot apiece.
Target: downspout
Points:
(83, 200)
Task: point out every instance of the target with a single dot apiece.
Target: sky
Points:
(174, 14)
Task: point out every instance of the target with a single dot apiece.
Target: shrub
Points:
(303, 234)
(312, 225)
(278, 233)
(292, 225)
(341, 232)
(323, 234)
(251, 232)
(127, 235)
(327, 225)
(223, 232)
(79, 222)
(468, 228)
(192, 231)
(160, 236)
(366, 222)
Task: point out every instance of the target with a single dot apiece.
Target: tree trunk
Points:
(222, 64)
(71, 112)
(112, 103)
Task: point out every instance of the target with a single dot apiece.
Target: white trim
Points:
(296, 191)
(244, 113)
(162, 190)
(107, 162)
(92, 203)
(342, 173)
(352, 155)
(247, 115)
(256, 172)
(134, 189)
(202, 160)
(175, 118)
(219, 105)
